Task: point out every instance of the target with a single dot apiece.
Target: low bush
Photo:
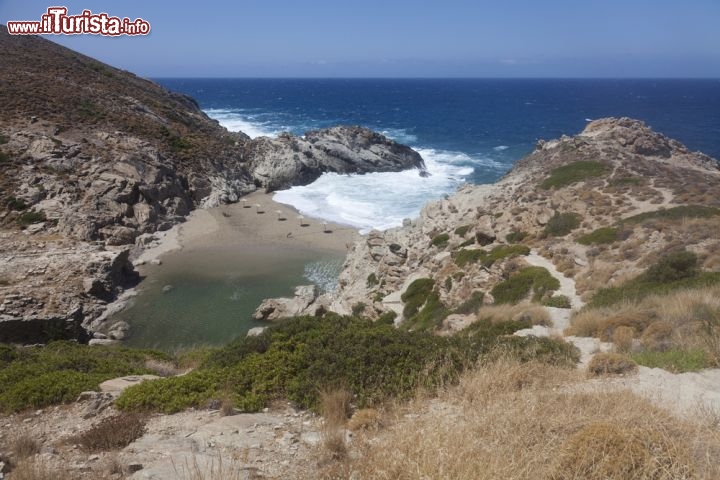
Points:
(530, 279)
(600, 236)
(17, 204)
(516, 236)
(35, 377)
(676, 360)
(441, 240)
(465, 257)
(429, 317)
(472, 304)
(611, 364)
(111, 433)
(416, 295)
(293, 360)
(623, 339)
(28, 218)
(557, 301)
(461, 231)
(675, 271)
(561, 224)
(675, 213)
(372, 280)
(574, 172)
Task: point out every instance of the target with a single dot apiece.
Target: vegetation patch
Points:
(35, 377)
(600, 236)
(675, 213)
(611, 364)
(112, 433)
(468, 256)
(372, 280)
(461, 231)
(557, 301)
(28, 218)
(574, 172)
(626, 181)
(16, 204)
(464, 257)
(675, 271)
(674, 360)
(429, 317)
(472, 304)
(561, 224)
(516, 236)
(530, 279)
(441, 240)
(416, 295)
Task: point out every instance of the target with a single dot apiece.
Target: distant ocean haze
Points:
(467, 130)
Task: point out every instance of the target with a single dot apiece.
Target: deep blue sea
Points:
(467, 130)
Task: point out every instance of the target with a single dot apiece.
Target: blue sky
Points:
(403, 38)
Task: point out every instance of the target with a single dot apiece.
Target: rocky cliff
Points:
(288, 160)
(96, 160)
(601, 206)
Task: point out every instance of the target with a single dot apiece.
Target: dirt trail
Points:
(687, 394)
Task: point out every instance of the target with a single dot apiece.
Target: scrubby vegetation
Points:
(516, 236)
(298, 358)
(34, 377)
(472, 304)
(574, 172)
(675, 360)
(557, 301)
(530, 279)
(600, 236)
(441, 240)
(416, 294)
(611, 364)
(462, 230)
(561, 224)
(674, 271)
(28, 218)
(676, 213)
(464, 257)
(111, 433)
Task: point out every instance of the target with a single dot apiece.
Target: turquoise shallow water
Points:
(212, 293)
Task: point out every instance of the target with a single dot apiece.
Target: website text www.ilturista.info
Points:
(57, 21)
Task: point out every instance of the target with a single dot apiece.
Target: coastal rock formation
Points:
(96, 161)
(567, 188)
(277, 308)
(287, 160)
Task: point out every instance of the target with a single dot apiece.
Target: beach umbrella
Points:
(258, 208)
(280, 214)
(302, 220)
(244, 202)
(325, 227)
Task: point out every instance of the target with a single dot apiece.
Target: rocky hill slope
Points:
(601, 206)
(96, 160)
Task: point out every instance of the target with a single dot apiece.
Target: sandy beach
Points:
(242, 226)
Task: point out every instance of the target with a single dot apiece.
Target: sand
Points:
(244, 226)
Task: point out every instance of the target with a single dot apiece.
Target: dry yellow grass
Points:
(611, 364)
(335, 409)
(623, 339)
(537, 314)
(527, 421)
(682, 319)
(365, 419)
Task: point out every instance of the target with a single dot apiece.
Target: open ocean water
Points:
(467, 130)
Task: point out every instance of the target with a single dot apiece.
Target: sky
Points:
(403, 38)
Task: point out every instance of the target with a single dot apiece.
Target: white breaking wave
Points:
(400, 135)
(379, 200)
(237, 122)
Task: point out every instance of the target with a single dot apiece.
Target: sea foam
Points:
(236, 121)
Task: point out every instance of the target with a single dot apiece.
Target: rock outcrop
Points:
(95, 161)
(636, 171)
(287, 160)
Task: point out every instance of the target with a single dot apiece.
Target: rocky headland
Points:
(96, 161)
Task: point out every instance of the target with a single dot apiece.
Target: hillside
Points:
(96, 161)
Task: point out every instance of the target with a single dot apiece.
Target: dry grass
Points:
(611, 364)
(525, 421)
(365, 419)
(33, 470)
(217, 469)
(686, 319)
(111, 433)
(25, 446)
(623, 339)
(162, 369)
(536, 314)
(335, 408)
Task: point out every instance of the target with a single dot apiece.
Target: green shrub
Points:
(516, 236)
(4, 157)
(16, 203)
(472, 304)
(35, 377)
(505, 251)
(416, 294)
(600, 236)
(388, 317)
(441, 240)
(557, 301)
(429, 317)
(358, 308)
(464, 256)
(372, 280)
(672, 267)
(674, 360)
(519, 285)
(574, 172)
(675, 271)
(623, 181)
(461, 231)
(3, 139)
(675, 213)
(561, 224)
(303, 355)
(31, 217)
(468, 242)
